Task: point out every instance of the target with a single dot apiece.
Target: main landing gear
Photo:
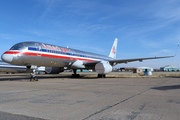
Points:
(101, 75)
(75, 75)
(33, 76)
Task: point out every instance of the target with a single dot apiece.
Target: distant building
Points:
(156, 69)
(137, 70)
(145, 68)
(127, 69)
(169, 68)
(142, 69)
(78, 70)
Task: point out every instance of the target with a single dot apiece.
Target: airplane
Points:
(42, 54)
(9, 68)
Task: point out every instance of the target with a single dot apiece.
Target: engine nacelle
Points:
(103, 68)
(54, 70)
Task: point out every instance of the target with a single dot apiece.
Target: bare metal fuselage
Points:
(41, 54)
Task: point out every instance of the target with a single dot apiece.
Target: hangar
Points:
(169, 68)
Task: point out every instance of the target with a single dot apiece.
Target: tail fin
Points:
(112, 53)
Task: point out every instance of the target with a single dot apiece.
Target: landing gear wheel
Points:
(75, 76)
(33, 79)
(33, 76)
(101, 76)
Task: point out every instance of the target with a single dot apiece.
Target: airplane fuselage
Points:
(41, 54)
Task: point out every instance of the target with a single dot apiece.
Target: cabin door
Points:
(39, 53)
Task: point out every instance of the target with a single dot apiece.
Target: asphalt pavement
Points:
(64, 98)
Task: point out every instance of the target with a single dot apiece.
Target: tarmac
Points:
(59, 97)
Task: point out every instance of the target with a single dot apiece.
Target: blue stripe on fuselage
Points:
(59, 52)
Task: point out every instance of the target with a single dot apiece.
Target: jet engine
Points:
(103, 68)
(53, 70)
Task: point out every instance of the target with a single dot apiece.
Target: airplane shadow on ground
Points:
(14, 79)
(171, 87)
(172, 76)
(27, 77)
(67, 76)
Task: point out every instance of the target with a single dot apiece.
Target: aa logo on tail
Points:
(112, 53)
(113, 50)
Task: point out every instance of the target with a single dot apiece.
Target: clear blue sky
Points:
(144, 28)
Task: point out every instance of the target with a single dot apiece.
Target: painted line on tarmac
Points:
(12, 116)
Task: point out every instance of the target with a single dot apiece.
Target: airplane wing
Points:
(117, 61)
(137, 59)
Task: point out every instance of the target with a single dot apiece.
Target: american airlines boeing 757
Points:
(41, 54)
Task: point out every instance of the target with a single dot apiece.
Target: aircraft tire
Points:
(32, 79)
(75, 76)
(36, 79)
(101, 75)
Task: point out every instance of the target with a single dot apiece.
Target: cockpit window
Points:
(23, 45)
(18, 46)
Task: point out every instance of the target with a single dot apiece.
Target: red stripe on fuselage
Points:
(46, 55)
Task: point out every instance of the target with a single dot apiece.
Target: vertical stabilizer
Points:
(112, 53)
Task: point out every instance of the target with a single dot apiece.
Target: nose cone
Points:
(7, 58)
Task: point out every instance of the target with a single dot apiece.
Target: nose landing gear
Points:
(33, 76)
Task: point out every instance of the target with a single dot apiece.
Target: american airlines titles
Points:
(55, 48)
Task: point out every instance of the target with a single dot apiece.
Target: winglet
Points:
(112, 53)
(176, 51)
